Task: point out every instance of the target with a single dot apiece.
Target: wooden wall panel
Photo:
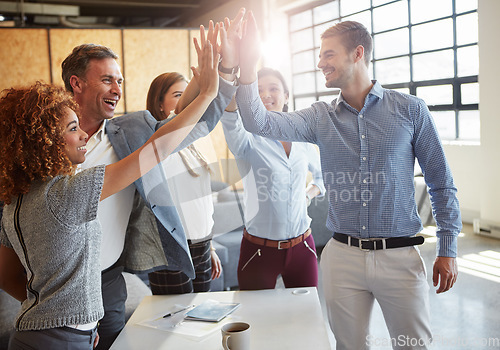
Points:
(62, 42)
(148, 53)
(24, 57)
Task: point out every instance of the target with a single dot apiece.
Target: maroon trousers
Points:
(260, 266)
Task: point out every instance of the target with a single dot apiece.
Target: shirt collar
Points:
(99, 134)
(377, 90)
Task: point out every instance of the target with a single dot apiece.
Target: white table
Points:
(279, 319)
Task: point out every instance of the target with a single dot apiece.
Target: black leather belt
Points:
(378, 244)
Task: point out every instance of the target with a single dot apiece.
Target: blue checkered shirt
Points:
(368, 160)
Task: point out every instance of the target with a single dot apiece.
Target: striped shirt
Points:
(368, 159)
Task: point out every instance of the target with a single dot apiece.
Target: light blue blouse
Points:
(274, 183)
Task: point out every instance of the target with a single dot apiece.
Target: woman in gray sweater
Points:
(49, 226)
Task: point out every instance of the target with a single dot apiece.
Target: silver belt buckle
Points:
(360, 244)
(279, 244)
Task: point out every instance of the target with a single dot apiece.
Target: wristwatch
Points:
(233, 70)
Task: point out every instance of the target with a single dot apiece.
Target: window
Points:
(408, 55)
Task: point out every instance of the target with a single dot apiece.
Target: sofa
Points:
(227, 233)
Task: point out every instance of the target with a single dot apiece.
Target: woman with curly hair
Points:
(49, 221)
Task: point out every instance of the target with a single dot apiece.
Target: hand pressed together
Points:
(206, 74)
(230, 36)
(249, 50)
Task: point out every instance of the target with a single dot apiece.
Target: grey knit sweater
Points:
(55, 232)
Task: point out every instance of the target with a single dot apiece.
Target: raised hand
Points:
(230, 35)
(206, 74)
(249, 50)
(192, 90)
(210, 36)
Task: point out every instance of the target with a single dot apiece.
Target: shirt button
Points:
(364, 204)
(361, 115)
(364, 227)
(364, 181)
(364, 158)
(362, 136)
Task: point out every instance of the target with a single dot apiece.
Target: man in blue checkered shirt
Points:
(369, 138)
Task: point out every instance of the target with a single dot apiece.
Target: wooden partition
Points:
(24, 57)
(148, 53)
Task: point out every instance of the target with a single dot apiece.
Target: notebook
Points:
(211, 311)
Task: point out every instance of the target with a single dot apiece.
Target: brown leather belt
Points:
(285, 244)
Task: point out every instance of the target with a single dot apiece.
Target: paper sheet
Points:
(194, 330)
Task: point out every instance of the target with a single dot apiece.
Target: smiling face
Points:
(171, 97)
(99, 90)
(74, 137)
(272, 93)
(336, 63)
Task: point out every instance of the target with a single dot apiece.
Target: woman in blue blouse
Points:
(277, 239)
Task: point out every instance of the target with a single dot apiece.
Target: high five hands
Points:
(206, 74)
(230, 36)
(250, 50)
(240, 45)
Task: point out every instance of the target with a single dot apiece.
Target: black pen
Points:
(176, 312)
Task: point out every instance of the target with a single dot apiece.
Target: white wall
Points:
(476, 169)
(489, 75)
(465, 163)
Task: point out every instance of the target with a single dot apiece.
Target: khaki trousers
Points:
(396, 278)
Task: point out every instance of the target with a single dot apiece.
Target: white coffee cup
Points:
(236, 336)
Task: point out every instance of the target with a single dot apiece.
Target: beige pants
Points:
(396, 278)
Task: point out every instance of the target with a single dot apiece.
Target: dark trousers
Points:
(260, 266)
(177, 282)
(63, 338)
(114, 295)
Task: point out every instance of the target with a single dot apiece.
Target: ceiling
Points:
(104, 13)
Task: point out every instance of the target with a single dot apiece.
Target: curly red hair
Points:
(32, 146)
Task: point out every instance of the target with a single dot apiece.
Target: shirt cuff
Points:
(232, 83)
(446, 245)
